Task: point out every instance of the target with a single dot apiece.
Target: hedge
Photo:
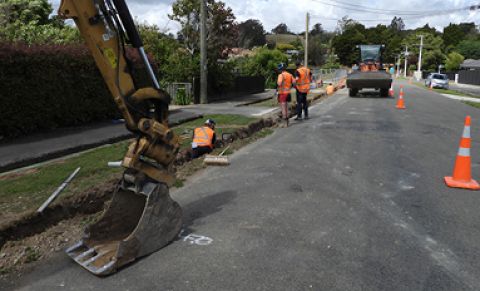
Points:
(50, 86)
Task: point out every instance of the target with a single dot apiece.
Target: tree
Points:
(250, 34)
(317, 29)
(453, 61)
(397, 24)
(344, 23)
(264, 62)
(470, 49)
(221, 29)
(432, 54)
(345, 43)
(453, 34)
(282, 28)
(29, 22)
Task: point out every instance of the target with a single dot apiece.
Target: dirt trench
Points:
(34, 236)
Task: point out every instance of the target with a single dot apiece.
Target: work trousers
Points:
(199, 151)
(302, 104)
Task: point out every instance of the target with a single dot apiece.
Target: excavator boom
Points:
(142, 217)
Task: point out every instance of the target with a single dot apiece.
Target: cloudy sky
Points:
(292, 12)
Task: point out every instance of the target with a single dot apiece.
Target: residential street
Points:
(352, 199)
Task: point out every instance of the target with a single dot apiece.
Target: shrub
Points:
(50, 86)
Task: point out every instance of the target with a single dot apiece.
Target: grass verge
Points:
(473, 104)
(26, 190)
(19, 255)
(445, 91)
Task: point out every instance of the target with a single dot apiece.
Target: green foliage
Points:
(221, 28)
(29, 22)
(45, 87)
(263, 63)
(251, 34)
(345, 43)
(453, 61)
(283, 47)
(282, 28)
(470, 49)
(453, 34)
(182, 97)
(432, 54)
(297, 43)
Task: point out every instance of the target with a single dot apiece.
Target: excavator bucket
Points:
(141, 219)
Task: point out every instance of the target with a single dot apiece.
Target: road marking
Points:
(199, 240)
(263, 112)
(461, 98)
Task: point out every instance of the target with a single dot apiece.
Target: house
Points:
(470, 64)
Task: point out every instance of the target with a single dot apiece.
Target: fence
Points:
(181, 93)
(329, 75)
(241, 85)
(469, 77)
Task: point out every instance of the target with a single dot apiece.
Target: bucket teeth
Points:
(84, 254)
(138, 221)
(93, 259)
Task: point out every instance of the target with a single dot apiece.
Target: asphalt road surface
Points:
(352, 199)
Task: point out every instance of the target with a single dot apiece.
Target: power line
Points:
(361, 8)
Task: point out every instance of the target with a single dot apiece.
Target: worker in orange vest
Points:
(285, 82)
(303, 78)
(204, 139)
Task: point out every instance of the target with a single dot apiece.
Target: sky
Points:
(292, 12)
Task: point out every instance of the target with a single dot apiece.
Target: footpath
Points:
(41, 147)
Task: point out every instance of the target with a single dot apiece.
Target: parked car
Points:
(437, 81)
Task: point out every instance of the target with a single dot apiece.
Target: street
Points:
(352, 199)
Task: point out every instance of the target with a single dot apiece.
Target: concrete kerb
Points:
(17, 165)
(32, 223)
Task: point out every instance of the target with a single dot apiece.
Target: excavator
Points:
(142, 217)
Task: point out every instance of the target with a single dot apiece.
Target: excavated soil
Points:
(32, 236)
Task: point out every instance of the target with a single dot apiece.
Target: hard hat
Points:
(281, 66)
(298, 63)
(210, 122)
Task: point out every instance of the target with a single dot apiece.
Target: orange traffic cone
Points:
(391, 92)
(400, 104)
(462, 176)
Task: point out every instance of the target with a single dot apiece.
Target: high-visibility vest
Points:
(284, 82)
(303, 81)
(203, 136)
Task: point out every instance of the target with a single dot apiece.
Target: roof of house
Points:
(470, 64)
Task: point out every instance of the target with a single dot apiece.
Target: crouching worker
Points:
(203, 139)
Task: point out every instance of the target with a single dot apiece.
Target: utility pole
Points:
(203, 53)
(305, 61)
(406, 56)
(398, 64)
(419, 67)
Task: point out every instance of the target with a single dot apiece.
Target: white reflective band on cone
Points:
(464, 152)
(466, 132)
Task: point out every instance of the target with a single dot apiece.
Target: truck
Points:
(369, 73)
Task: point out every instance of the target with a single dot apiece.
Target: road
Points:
(352, 199)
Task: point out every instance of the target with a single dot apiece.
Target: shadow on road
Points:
(204, 207)
(371, 94)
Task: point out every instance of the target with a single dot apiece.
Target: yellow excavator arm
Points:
(142, 217)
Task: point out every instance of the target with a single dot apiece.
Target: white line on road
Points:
(461, 98)
(264, 112)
